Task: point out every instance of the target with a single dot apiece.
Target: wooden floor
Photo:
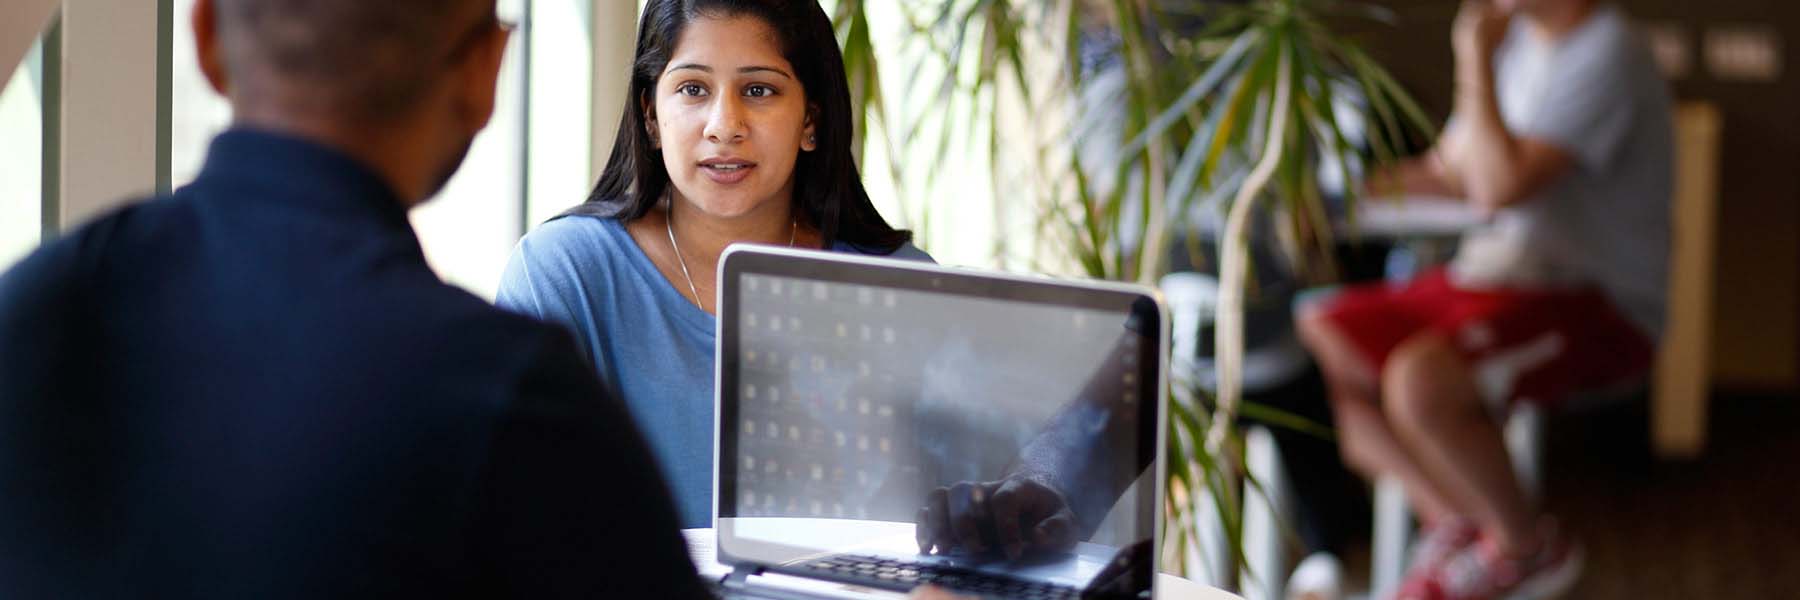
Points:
(1724, 526)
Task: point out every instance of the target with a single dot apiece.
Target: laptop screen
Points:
(913, 413)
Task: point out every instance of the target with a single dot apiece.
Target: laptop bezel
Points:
(742, 259)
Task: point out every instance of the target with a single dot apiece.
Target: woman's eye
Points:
(691, 89)
(759, 91)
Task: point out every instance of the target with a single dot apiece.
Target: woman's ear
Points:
(648, 109)
(809, 136)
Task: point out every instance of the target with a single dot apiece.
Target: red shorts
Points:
(1522, 345)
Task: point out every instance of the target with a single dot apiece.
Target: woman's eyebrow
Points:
(761, 69)
(742, 70)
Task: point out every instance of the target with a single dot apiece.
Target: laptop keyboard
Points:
(905, 575)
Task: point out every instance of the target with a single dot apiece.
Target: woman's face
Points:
(731, 118)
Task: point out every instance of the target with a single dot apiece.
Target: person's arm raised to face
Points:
(1495, 167)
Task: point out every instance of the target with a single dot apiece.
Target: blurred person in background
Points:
(1562, 137)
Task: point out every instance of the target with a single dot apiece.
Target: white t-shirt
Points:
(1597, 95)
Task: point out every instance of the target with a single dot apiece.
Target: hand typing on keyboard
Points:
(1063, 482)
(1013, 516)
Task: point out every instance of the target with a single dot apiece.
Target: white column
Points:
(108, 106)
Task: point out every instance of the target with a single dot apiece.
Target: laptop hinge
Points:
(740, 576)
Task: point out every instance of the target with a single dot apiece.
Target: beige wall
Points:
(109, 105)
(615, 34)
(21, 22)
(108, 96)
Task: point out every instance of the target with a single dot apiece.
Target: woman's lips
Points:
(727, 173)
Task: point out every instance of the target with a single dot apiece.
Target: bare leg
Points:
(1367, 443)
(1433, 402)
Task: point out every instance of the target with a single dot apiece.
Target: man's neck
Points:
(1556, 20)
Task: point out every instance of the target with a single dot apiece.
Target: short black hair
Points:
(828, 191)
(355, 59)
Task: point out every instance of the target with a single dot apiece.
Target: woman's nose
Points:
(725, 124)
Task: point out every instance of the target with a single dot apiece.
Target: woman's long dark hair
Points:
(828, 191)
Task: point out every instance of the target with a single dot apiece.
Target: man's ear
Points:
(809, 135)
(480, 78)
(205, 21)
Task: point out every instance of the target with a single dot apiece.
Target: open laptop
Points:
(869, 408)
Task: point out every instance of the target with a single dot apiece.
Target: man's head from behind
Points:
(402, 84)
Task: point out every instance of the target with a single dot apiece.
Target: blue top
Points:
(256, 388)
(651, 345)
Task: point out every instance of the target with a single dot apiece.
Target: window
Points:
(562, 108)
(21, 157)
(533, 161)
(468, 230)
(196, 113)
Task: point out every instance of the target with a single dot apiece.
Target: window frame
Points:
(592, 55)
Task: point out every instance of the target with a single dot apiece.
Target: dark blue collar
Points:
(291, 169)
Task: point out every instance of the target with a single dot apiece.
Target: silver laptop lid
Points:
(910, 414)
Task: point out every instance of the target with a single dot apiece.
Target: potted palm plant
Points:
(1160, 114)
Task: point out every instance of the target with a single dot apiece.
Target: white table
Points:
(703, 545)
(1411, 217)
(1425, 228)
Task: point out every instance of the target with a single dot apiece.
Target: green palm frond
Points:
(1251, 107)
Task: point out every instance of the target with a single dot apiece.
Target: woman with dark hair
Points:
(738, 129)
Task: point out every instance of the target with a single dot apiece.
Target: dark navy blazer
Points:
(256, 388)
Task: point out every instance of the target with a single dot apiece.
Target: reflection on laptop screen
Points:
(941, 419)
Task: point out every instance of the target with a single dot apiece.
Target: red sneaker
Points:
(1438, 542)
(1481, 573)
